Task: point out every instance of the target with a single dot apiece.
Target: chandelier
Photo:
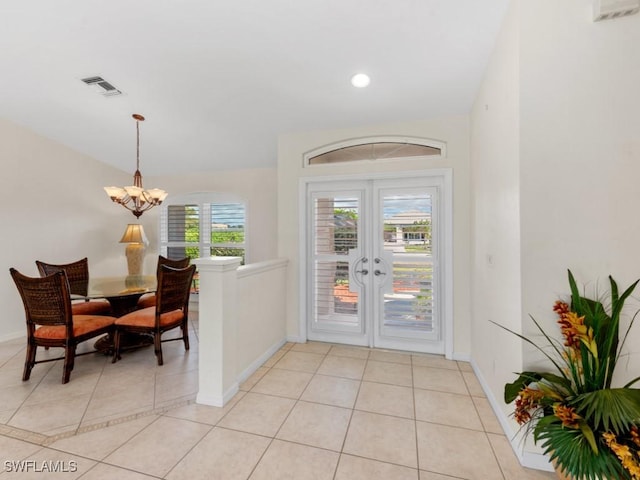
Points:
(135, 198)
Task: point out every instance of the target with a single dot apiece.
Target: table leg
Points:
(128, 341)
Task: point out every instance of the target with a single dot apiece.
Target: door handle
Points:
(378, 272)
(364, 271)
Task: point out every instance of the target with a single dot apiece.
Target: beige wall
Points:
(452, 130)
(580, 156)
(53, 209)
(556, 158)
(495, 166)
(580, 151)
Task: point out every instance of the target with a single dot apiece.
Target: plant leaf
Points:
(614, 409)
(522, 337)
(572, 452)
(511, 390)
(588, 434)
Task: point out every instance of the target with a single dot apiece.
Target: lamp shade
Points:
(134, 234)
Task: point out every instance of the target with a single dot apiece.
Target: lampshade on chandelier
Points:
(135, 198)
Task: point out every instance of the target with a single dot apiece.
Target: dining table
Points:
(122, 293)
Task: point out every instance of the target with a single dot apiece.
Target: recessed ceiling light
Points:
(360, 80)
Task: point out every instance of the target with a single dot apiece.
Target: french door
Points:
(373, 268)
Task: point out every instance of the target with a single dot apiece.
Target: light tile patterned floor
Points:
(312, 411)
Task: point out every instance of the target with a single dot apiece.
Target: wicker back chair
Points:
(50, 322)
(77, 274)
(78, 278)
(171, 311)
(149, 300)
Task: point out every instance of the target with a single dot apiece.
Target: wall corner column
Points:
(217, 356)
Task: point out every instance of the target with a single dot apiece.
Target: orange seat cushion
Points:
(147, 301)
(82, 324)
(147, 318)
(91, 308)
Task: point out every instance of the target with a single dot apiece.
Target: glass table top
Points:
(110, 287)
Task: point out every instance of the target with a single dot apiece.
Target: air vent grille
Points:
(102, 86)
(610, 9)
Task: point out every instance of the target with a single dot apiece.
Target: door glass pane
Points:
(334, 301)
(336, 225)
(409, 303)
(335, 233)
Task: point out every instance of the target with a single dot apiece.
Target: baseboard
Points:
(217, 400)
(461, 357)
(13, 336)
(295, 339)
(257, 363)
(533, 460)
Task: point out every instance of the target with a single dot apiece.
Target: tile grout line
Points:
(298, 400)
(353, 409)
(273, 438)
(93, 391)
(415, 417)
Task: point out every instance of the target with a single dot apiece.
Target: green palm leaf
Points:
(614, 409)
(573, 454)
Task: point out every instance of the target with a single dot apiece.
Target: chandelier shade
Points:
(134, 197)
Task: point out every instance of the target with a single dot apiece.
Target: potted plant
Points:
(588, 427)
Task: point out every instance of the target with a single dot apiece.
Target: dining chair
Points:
(149, 300)
(50, 321)
(171, 311)
(78, 278)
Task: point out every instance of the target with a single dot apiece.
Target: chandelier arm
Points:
(149, 199)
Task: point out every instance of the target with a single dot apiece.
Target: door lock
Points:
(378, 272)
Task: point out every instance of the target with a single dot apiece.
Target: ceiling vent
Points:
(102, 86)
(610, 9)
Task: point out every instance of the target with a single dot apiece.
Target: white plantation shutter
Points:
(201, 229)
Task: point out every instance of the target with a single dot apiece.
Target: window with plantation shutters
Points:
(200, 227)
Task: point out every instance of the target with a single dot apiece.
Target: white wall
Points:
(580, 154)
(556, 158)
(260, 321)
(495, 157)
(452, 130)
(53, 209)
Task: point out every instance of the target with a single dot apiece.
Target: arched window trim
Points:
(353, 142)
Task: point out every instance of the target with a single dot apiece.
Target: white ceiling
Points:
(218, 81)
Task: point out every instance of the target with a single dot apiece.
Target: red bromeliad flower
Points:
(567, 415)
(574, 329)
(528, 399)
(567, 324)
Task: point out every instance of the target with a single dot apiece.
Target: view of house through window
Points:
(202, 229)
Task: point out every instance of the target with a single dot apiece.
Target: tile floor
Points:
(312, 411)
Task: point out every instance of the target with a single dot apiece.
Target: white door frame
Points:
(446, 175)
